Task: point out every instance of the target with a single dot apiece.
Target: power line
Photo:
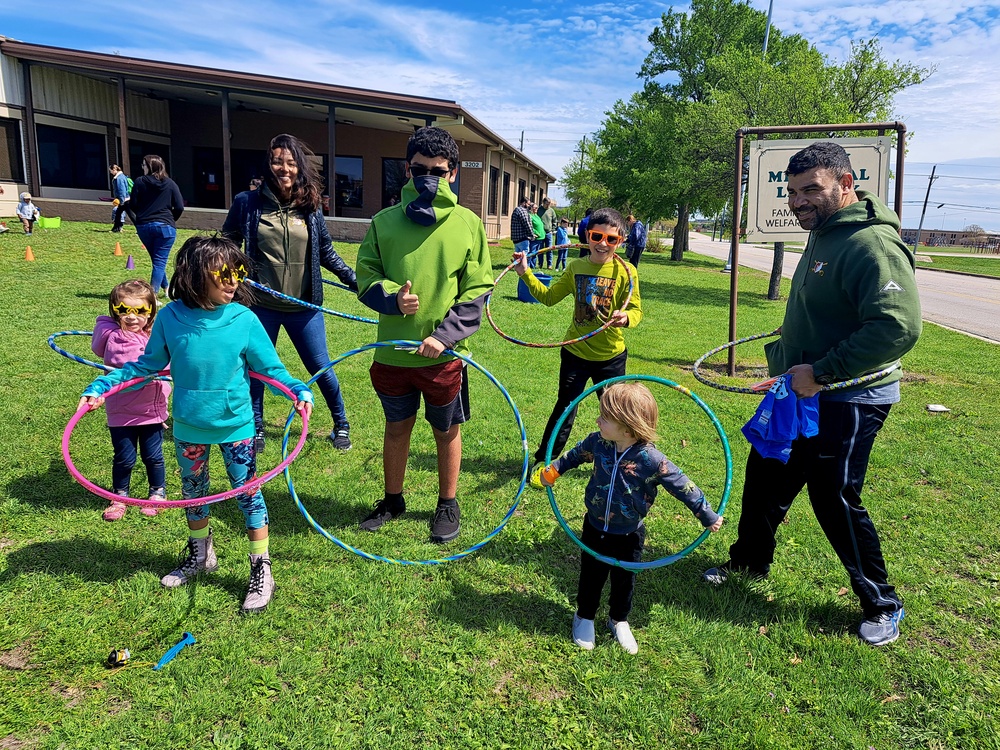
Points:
(957, 177)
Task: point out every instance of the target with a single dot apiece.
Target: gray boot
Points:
(261, 587)
(200, 558)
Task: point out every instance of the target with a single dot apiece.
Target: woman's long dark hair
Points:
(155, 166)
(307, 190)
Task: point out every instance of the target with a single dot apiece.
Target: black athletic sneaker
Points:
(385, 511)
(446, 525)
(341, 439)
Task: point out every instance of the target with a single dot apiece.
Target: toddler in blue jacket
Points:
(628, 471)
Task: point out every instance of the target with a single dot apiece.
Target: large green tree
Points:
(669, 149)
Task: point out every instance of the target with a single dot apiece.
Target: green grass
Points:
(476, 653)
(985, 266)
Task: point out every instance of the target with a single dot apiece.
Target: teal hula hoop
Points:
(668, 559)
(435, 561)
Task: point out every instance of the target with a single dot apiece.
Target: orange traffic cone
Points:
(28, 255)
(118, 248)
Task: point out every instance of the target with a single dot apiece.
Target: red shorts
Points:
(442, 386)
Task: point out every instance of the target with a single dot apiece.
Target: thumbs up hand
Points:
(408, 303)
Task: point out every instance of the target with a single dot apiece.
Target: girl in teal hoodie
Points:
(211, 346)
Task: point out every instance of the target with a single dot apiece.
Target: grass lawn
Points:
(476, 653)
(987, 265)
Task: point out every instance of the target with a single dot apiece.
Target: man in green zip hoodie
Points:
(853, 309)
(425, 267)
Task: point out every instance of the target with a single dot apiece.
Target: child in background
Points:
(211, 345)
(562, 243)
(599, 285)
(27, 212)
(135, 418)
(628, 470)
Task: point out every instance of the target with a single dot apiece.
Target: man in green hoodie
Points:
(425, 267)
(853, 309)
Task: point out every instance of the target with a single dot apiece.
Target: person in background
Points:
(158, 204)
(282, 228)
(27, 212)
(562, 242)
(548, 216)
(538, 240)
(581, 232)
(636, 242)
(121, 191)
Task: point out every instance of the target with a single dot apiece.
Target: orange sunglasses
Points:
(613, 240)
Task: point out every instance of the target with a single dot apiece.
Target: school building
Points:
(66, 114)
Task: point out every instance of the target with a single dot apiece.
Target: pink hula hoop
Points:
(249, 488)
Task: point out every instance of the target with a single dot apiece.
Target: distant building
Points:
(984, 242)
(66, 114)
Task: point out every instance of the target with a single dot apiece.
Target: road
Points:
(968, 304)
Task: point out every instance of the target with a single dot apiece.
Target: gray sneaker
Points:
(882, 629)
(200, 558)
(261, 587)
(446, 523)
(341, 439)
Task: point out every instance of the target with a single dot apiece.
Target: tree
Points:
(704, 78)
(582, 187)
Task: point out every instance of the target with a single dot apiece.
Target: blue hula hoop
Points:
(435, 561)
(668, 559)
(337, 284)
(99, 365)
(309, 305)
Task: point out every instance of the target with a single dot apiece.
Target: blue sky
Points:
(551, 69)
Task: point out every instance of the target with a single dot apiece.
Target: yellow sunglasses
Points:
(229, 275)
(613, 240)
(123, 310)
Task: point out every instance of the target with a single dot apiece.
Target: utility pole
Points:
(521, 148)
(927, 195)
(583, 148)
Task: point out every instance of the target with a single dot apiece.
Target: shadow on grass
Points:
(740, 601)
(87, 559)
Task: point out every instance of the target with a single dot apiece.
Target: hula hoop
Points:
(435, 561)
(248, 488)
(584, 337)
(861, 380)
(81, 360)
(667, 559)
(310, 305)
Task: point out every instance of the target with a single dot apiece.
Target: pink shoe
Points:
(155, 493)
(115, 511)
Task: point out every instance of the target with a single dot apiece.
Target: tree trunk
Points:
(774, 287)
(680, 234)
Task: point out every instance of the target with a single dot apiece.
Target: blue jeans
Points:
(524, 246)
(158, 239)
(535, 260)
(307, 332)
(149, 438)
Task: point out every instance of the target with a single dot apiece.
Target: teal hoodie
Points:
(853, 307)
(210, 353)
(441, 247)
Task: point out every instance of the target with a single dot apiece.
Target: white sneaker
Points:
(583, 633)
(623, 634)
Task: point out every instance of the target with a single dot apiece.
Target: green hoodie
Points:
(441, 247)
(853, 307)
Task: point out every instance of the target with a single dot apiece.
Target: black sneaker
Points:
(385, 511)
(341, 439)
(445, 525)
(259, 441)
(719, 575)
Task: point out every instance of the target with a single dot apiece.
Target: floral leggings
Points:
(241, 466)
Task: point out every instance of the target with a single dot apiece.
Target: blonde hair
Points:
(633, 407)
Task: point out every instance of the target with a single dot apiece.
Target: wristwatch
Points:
(824, 379)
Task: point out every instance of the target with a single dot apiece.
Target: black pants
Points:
(593, 572)
(121, 208)
(633, 255)
(832, 466)
(574, 372)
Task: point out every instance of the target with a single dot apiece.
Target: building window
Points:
(72, 158)
(349, 181)
(393, 179)
(491, 203)
(11, 163)
(506, 193)
(522, 190)
(138, 149)
(533, 194)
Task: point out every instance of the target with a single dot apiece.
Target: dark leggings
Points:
(149, 438)
(594, 573)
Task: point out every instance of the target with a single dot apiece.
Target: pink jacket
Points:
(148, 405)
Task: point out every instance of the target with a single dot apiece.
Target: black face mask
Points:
(420, 210)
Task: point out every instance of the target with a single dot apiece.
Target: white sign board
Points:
(472, 165)
(768, 215)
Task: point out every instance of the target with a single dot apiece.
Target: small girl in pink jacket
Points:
(134, 417)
